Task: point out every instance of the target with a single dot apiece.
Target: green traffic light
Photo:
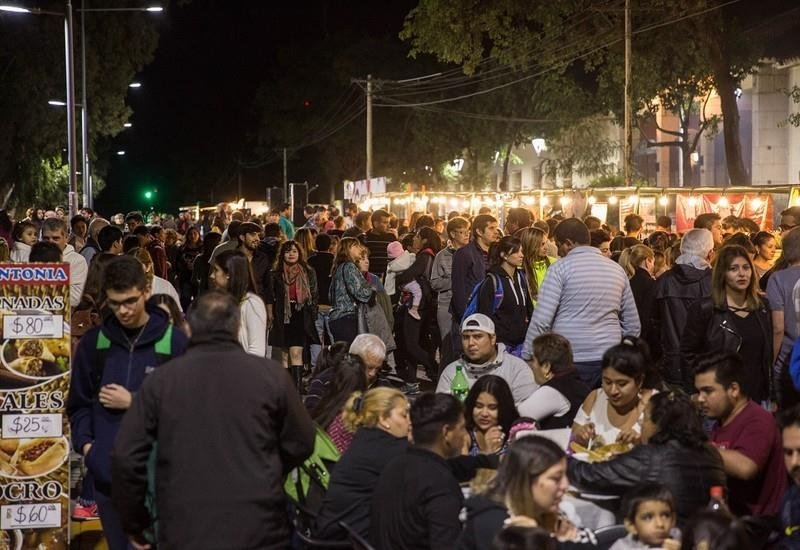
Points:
(148, 195)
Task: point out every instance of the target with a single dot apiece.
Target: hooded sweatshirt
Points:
(512, 369)
(125, 364)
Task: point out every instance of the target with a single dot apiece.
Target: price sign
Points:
(16, 426)
(30, 516)
(33, 326)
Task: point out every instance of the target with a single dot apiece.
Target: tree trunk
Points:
(504, 181)
(726, 88)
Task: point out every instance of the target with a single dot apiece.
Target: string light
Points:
(723, 202)
(692, 201)
(633, 200)
(592, 199)
(756, 203)
(528, 201)
(663, 200)
(612, 199)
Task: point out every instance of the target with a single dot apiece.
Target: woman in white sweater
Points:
(231, 271)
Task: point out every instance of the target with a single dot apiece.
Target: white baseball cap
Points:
(478, 321)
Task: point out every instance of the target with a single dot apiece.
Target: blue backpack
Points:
(472, 303)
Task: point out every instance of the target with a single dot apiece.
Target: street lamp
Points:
(127, 125)
(70, 103)
(135, 85)
(87, 177)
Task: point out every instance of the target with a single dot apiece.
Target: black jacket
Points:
(485, 519)
(512, 315)
(416, 503)
(675, 291)
(643, 288)
(687, 472)
(229, 426)
(274, 295)
(420, 271)
(710, 328)
(349, 495)
(353, 481)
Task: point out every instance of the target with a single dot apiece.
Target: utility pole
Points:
(369, 126)
(285, 178)
(239, 180)
(88, 199)
(628, 144)
(72, 197)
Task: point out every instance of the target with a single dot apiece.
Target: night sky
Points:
(196, 104)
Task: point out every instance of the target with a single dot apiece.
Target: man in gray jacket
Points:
(457, 236)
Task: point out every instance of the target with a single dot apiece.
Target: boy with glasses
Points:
(110, 364)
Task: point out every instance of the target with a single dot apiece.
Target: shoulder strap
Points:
(164, 344)
(102, 346)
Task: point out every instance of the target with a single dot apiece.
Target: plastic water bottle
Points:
(717, 501)
(459, 387)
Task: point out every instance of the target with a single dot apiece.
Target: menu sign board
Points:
(34, 382)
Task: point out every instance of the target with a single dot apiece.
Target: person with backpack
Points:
(503, 296)
(228, 425)
(109, 366)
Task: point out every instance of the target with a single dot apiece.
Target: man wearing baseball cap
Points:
(484, 355)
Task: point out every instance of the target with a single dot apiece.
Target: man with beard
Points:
(790, 507)
(744, 434)
(249, 236)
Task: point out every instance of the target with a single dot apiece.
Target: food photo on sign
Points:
(34, 383)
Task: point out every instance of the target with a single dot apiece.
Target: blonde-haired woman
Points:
(381, 423)
(638, 262)
(348, 286)
(537, 262)
(305, 237)
(157, 284)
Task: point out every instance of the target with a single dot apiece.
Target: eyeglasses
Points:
(127, 304)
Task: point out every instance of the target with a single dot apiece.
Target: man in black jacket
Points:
(229, 426)
(676, 290)
(417, 500)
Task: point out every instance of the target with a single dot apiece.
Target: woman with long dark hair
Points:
(189, 251)
(231, 272)
(734, 318)
(292, 307)
(765, 244)
(348, 287)
(489, 412)
(613, 413)
(504, 296)
(674, 453)
(415, 334)
(527, 492)
(349, 376)
(201, 267)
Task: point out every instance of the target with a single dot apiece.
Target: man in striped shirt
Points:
(586, 298)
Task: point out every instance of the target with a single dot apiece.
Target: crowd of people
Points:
(468, 381)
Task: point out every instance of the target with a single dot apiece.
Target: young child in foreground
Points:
(650, 520)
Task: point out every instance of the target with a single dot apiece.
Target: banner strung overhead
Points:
(755, 206)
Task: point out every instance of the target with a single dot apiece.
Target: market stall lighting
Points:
(633, 200)
(515, 203)
(154, 9)
(692, 201)
(565, 200)
(612, 199)
(663, 200)
(592, 199)
(756, 203)
(723, 202)
(528, 201)
(545, 201)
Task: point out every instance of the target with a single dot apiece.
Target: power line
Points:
(557, 64)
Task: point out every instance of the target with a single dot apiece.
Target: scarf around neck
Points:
(297, 276)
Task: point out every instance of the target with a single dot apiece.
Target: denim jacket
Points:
(348, 285)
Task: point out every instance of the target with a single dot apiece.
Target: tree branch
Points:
(675, 143)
